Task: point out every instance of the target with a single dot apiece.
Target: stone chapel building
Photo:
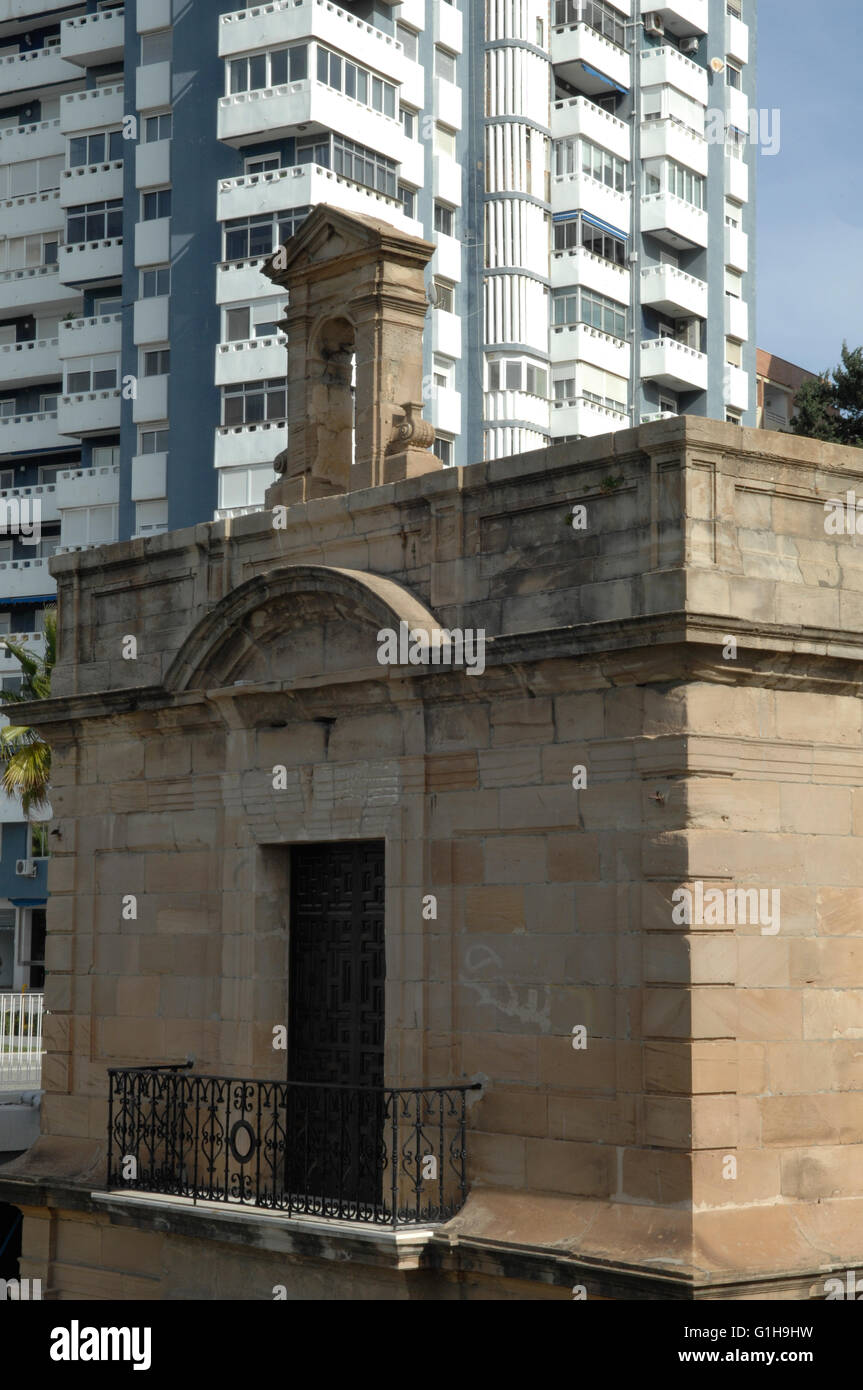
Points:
(458, 890)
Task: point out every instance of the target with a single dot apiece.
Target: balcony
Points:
(347, 1153)
(30, 434)
(448, 27)
(31, 213)
(286, 21)
(25, 579)
(92, 40)
(447, 258)
(38, 500)
(682, 18)
(305, 185)
(737, 108)
(736, 39)
(589, 60)
(86, 337)
(581, 267)
(149, 477)
(248, 118)
(255, 359)
(91, 110)
(88, 487)
(671, 139)
(736, 318)
(673, 364)
(585, 418)
(35, 289)
(237, 281)
(37, 141)
(446, 334)
(239, 446)
(736, 387)
(444, 410)
(91, 183)
(22, 72)
(153, 164)
(25, 364)
(85, 262)
(151, 320)
(579, 342)
(581, 116)
(673, 292)
(661, 65)
(736, 248)
(447, 179)
(153, 241)
(569, 191)
(90, 412)
(674, 221)
(151, 402)
(21, 1035)
(737, 179)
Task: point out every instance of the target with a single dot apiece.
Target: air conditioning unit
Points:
(26, 868)
(689, 45)
(653, 23)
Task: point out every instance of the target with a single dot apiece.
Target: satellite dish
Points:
(717, 65)
(432, 295)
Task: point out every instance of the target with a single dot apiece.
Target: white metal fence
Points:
(20, 1041)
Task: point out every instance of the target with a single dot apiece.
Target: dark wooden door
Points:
(336, 1020)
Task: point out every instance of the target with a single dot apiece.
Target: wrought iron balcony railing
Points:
(351, 1153)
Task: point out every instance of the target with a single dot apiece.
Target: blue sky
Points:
(810, 195)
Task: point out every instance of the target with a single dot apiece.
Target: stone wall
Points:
(608, 647)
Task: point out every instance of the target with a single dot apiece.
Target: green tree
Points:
(25, 754)
(831, 408)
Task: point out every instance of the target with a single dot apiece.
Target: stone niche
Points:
(356, 310)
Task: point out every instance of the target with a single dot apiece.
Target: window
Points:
(94, 222)
(442, 447)
(155, 282)
(540, 34)
(604, 18)
(576, 155)
(733, 352)
(48, 403)
(735, 142)
(89, 525)
(410, 125)
(252, 402)
(444, 140)
(732, 214)
(263, 70)
(238, 324)
(684, 184)
(444, 295)
(244, 487)
(30, 176)
(733, 283)
(733, 417)
(249, 238)
(444, 64)
(95, 149)
(157, 362)
(156, 48)
(156, 204)
(443, 373)
(444, 219)
(7, 478)
(515, 375)
(110, 303)
(99, 373)
(578, 231)
(734, 8)
(364, 166)
(733, 75)
(582, 305)
(153, 441)
(358, 83)
(40, 845)
(408, 38)
(158, 128)
(262, 164)
(668, 405)
(106, 456)
(7, 408)
(408, 198)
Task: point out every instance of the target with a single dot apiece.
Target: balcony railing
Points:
(366, 1154)
(20, 1041)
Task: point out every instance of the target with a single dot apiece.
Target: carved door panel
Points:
(336, 1020)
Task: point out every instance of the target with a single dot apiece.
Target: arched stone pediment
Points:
(295, 622)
